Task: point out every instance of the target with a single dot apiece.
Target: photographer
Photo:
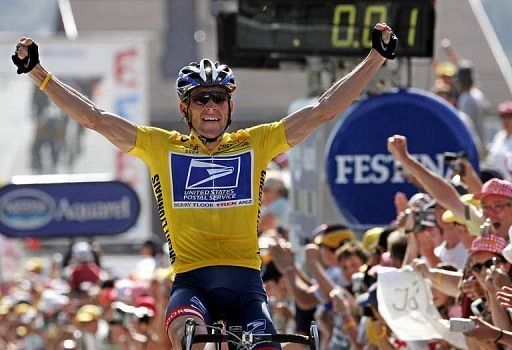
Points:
(419, 222)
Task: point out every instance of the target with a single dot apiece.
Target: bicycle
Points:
(238, 340)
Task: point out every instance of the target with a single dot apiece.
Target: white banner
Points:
(405, 303)
(39, 139)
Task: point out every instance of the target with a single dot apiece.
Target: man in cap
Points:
(456, 238)
(495, 195)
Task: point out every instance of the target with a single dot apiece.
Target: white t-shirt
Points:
(457, 255)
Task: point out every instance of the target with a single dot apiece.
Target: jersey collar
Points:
(194, 138)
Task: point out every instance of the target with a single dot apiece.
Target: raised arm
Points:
(339, 96)
(117, 130)
(434, 184)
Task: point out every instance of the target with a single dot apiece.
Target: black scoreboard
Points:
(274, 30)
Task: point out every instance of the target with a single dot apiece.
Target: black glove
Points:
(25, 65)
(386, 50)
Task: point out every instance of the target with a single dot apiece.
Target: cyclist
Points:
(208, 184)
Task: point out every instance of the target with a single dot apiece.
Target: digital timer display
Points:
(331, 27)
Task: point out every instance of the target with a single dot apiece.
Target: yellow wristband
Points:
(438, 279)
(45, 81)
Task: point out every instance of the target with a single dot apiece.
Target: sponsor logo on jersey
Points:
(203, 174)
(211, 181)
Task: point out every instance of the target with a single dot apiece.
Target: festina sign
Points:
(363, 177)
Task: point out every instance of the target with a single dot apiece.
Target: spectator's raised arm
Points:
(434, 184)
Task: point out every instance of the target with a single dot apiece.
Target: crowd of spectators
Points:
(76, 303)
(455, 236)
(439, 233)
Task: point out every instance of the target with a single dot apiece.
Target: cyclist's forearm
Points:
(70, 101)
(342, 93)
(121, 132)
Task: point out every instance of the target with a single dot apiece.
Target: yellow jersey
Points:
(209, 201)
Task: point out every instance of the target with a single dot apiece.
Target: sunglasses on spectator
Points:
(203, 98)
(487, 264)
(496, 208)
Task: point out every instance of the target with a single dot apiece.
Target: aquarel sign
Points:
(362, 175)
(47, 210)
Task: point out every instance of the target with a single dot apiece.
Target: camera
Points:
(420, 215)
(452, 159)
(357, 282)
(478, 307)
(462, 325)
(420, 218)
(485, 228)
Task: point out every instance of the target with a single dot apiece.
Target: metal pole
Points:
(68, 20)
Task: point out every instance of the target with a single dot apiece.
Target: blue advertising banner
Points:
(48, 210)
(363, 176)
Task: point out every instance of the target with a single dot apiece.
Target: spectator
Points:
(456, 240)
(472, 100)
(446, 92)
(83, 268)
(350, 257)
(145, 267)
(491, 270)
(419, 221)
(500, 149)
(454, 224)
(275, 205)
(95, 329)
(445, 75)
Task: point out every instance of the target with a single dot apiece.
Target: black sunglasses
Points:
(487, 264)
(203, 98)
